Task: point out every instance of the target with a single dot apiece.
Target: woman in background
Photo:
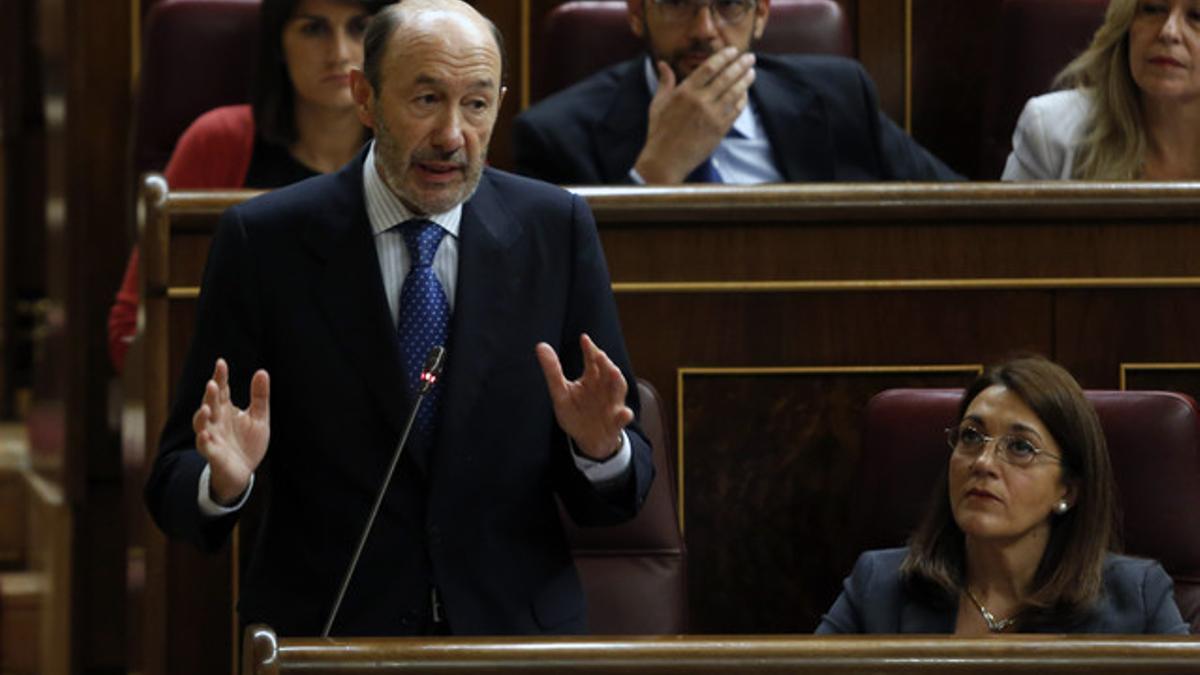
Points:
(1130, 104)
(301, 121)
(1019, 535)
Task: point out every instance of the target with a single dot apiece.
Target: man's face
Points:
(686, 32)
(439, 93)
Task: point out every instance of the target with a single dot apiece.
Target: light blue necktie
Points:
(424, 314)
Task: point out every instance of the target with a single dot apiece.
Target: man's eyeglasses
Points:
(727, 11)
(969, 441)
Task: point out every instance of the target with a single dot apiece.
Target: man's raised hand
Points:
(591, 409)
(688, 119)
(233, 441)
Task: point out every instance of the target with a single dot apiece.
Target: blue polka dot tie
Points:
(424, 314)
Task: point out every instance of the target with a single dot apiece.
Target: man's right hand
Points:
(689, 119)
(233, 441)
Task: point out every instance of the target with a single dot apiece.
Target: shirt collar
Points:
(746, 123)
(384, 208)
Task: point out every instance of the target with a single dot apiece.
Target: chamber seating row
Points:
(578, 38)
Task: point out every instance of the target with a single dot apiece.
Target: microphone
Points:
(435, 361)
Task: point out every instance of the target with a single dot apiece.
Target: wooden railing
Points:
(266, 654)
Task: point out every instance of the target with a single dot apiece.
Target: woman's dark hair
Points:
(273, 98)
(1068, 578)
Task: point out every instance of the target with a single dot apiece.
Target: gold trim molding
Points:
(855, 285)
(1125, 368)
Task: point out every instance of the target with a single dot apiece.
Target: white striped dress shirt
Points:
(385, 211)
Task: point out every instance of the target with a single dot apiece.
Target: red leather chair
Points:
(581, 37)
(1037, 39)
(1153, 439)
(197, 55)
(635, 575)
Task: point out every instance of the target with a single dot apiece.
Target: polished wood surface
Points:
(266, 654)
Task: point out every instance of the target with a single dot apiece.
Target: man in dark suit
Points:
(703, 108)
(336, 286)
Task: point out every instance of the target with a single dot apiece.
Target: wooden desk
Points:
(266, 654)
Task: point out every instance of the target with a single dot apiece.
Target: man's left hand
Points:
(591, 410)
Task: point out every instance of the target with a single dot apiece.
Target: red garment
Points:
(213, 153)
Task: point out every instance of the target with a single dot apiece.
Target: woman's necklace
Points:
(994, 625)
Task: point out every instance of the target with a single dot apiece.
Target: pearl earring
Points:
(1061, 506)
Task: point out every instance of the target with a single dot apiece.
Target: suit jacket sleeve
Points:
(1032, 156)
(846, 614)
(592, 310)
(215, 151)
(902, 157)
(1047, 137)
(1162, 614)
(226, 326)
(122, 316)
(550, 144)
(532, 152)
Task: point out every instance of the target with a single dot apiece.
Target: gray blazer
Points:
(1137, 598)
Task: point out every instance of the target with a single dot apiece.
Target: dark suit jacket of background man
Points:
(820, 113)
(293, 285)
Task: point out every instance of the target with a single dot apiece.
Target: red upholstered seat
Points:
(1153, 439)
(581, 37)
(197, 55)
(1036, 40)
(634, 575)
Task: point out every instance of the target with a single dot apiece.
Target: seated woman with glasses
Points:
(1019, 535)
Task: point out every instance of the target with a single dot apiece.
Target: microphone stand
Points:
(434, 362)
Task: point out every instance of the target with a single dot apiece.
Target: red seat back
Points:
(197, 55)
(1036, 40)
(635, 575)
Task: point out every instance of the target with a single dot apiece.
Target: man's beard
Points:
(694, 48)
(391, 164)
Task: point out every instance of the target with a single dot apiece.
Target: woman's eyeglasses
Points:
(968, 441)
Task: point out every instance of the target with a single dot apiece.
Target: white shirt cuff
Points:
(636, 177)
(610, 469)
(209, 507)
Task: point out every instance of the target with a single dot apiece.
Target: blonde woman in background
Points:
(1129, 107)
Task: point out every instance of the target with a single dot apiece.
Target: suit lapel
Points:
(924, 617)
(482, 307)
(350, 294)
(797, 124)
(622, 131)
